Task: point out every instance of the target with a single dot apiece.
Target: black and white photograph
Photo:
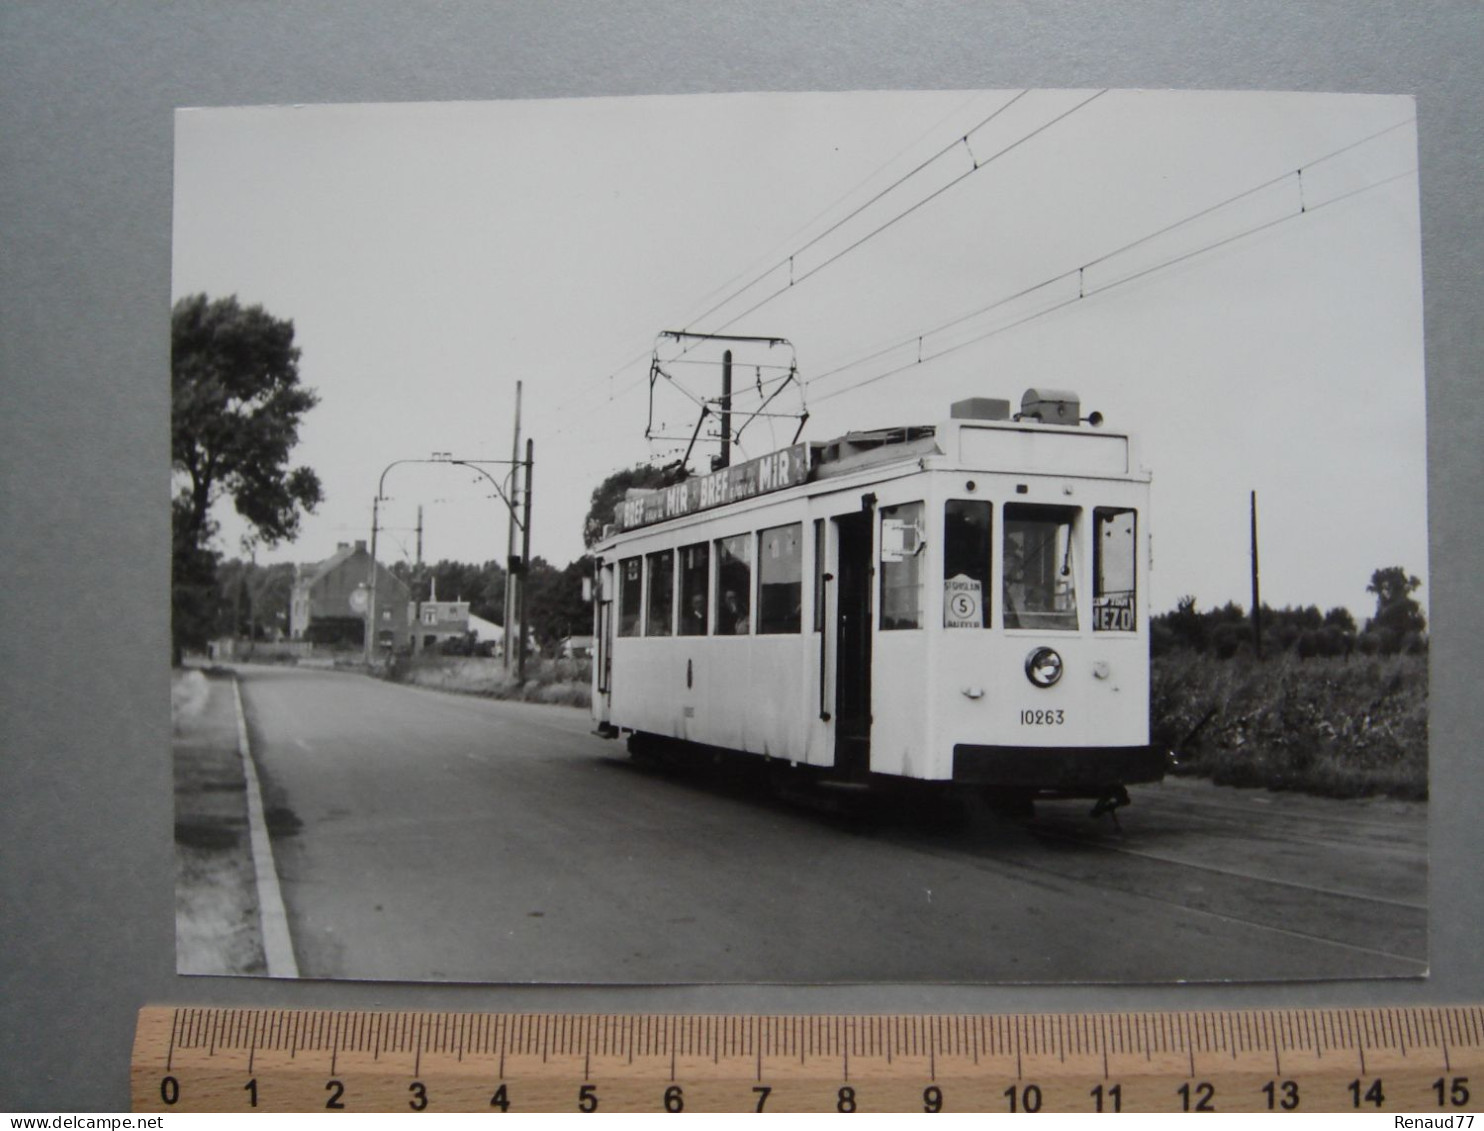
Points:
(968, 536)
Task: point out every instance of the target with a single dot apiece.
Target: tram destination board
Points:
(1427, 1060)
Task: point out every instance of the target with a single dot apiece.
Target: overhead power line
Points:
(976, 165)
(853, 213)
(646, 353)
(829, 208)
(1083, 296)
(1080, 271)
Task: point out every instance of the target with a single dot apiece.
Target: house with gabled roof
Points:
(330, 600)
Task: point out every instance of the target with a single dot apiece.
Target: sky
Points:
(1233, 277)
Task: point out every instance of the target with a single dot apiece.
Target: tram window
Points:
(780, 578)
(734, 585)
(967, 549)
(659, 621)
(695, 562)
(901, 566)
(629, 589)
(1040, 589)
(1114, 554)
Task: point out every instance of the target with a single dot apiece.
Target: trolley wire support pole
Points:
(510, 582)
(1256, 597)
(525, 557)
(726, 412)
(506, 497)
(367, 645)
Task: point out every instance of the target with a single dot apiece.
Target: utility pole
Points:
(726, 411)
(511, 584)
(417, 587)
(371, 603)
(445, 458)
(1256, 596)
(525, 557)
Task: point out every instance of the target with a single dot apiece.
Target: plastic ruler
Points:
(1427, 1060)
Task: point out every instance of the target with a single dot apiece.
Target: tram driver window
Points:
(661, 595)
(902, 545)
(734, 585)
(780, 576)
(967, 549)
(1114, 554)
(1040, 589)
(629, 588)
(695, 564)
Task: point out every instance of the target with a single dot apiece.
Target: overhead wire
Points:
(976, 165)
(1082, 297)
(920, 336)
(647, 351)
(950, 147)
(825, 211)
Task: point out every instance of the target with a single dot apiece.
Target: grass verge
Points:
(566, 682)
(216, 907)
(1331, 726)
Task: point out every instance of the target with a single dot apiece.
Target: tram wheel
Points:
(643, 750)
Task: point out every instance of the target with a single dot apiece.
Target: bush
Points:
(566, 682)
(1343, 728)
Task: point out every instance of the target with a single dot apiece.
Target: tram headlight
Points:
(1043, 667)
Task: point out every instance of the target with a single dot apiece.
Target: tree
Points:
(253, 600)
(554, 604)
(236, 404)
(609, 493)
(1397, 612)
(1340, 617)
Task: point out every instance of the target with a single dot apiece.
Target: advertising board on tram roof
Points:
(787, 467)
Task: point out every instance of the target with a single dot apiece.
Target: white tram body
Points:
(965, 602)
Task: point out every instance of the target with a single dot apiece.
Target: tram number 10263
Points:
(1053, 718)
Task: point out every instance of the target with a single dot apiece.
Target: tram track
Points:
(1350, 921)
(1233, 873)
(1266, 923)
(1351, 893)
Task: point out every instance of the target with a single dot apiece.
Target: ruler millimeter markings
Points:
(209, 1059)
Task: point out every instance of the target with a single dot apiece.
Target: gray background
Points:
(86, 100)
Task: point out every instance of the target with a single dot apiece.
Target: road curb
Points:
(278, 944)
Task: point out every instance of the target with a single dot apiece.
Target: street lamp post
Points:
(507, 498)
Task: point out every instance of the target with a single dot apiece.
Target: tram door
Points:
(603, 639)
(853, 646)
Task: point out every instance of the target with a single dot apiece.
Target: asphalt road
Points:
(420, 835)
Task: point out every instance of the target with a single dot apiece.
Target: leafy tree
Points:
(609, 493)
(254, 599)
(236, 404)
(1397, 612)
(554, 604)
(1340, 617)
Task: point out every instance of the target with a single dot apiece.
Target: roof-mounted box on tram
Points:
(964, 602)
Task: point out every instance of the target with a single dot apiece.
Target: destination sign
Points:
(1113, 612)
(773, 472)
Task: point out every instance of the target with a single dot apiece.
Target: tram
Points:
(962, 603)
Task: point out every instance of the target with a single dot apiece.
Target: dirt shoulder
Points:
(216, 908)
